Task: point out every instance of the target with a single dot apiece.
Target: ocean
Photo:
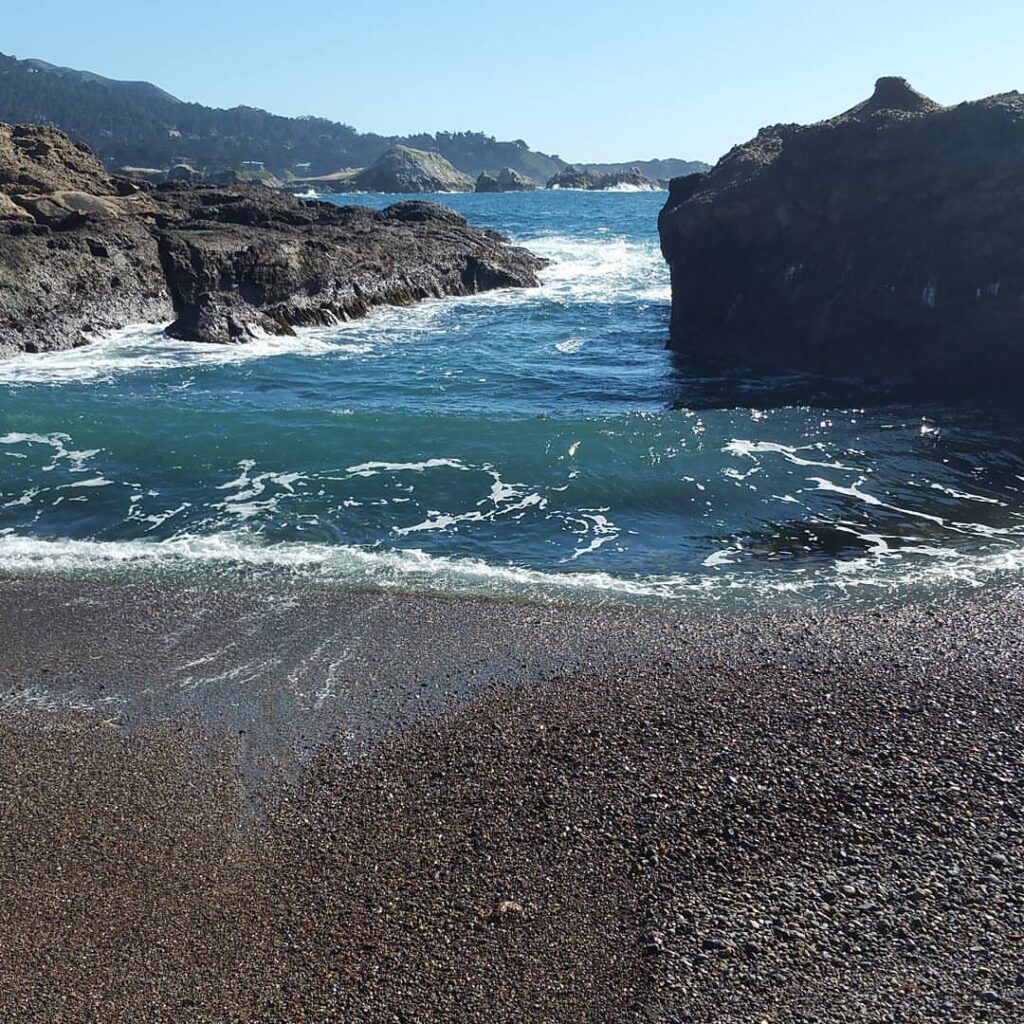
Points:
(541, 444)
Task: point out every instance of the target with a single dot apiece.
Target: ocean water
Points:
(538, 443)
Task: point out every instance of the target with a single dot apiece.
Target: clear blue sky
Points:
(590, 80)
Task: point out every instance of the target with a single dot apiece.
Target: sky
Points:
(589, 80)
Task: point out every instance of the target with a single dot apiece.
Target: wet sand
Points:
(259, 802)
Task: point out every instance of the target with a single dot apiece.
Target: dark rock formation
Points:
(886, 243)
(81, 251)
(508, 180)
(571, 177)
(77, 254)
(591, 181)
(245, 260)
(406, 170)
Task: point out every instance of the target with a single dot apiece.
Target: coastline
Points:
(233, 803)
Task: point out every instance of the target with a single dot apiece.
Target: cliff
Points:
(886, 243)
(82, 251)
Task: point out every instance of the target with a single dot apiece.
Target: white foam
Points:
(61, 453)
(889, 571)
(146, 348)
(625, 186)
(376, 468)
(570, 346)
(967, 495)
(607, 269)
(751, 449)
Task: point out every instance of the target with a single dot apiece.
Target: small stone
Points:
(507, 908)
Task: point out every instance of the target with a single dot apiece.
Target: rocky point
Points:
(886, 243)
(82, 251)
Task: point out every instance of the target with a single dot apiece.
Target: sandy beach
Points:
(284, 803)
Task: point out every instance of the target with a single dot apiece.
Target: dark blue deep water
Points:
(539, 443)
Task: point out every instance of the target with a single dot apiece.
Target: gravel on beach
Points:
(629, 815)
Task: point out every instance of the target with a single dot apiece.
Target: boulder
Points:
(508, 180)
(573, 178)
(886, 243)
(406, 170)
(487, 183)
(10, 210)
(183, 172)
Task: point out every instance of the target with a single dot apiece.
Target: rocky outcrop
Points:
(77, 254)
(82, 251)
(571, 177)
(886, 243)
(627, 181)
(407, 170)
(508, 180)
(242, 261)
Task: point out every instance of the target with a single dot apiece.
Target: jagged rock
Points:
(406, 170)
(317, 263)
(886, 243)
(487, 182)
(87, 252)
(80, 256)
(634, 178)
(35, 160)
(508, 180)
(10, 210)
(594, 182)
(573, 178)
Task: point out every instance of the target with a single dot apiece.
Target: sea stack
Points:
(405, 170)
(631, 179)
(508, 180)
(886, 243)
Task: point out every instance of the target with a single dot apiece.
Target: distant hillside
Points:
(656, 170)
(141, 89)
(136, 124)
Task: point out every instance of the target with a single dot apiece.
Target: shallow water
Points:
(539, 443)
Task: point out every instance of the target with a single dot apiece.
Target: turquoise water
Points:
(540, 443)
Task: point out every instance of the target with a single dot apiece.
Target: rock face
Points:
(508, 180)
(886, 243)
(242, 260)
(591, 181)
(404, 169)
(81, 252)
(77, 254)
